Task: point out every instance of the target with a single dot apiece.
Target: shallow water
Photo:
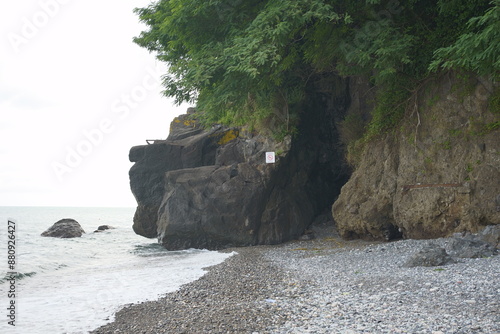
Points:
(76, 285)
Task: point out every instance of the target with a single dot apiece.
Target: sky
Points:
(75, 95)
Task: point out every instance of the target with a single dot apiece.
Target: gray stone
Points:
(469, 248)
(308, 235)
(321, 288)
(187, 147)
(64, 228)
(103, 228)
(491, 235)
(430, 256)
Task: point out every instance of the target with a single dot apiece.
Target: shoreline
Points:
(229, 298)
(326, 285)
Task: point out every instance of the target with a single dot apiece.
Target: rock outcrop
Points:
(491, 235)
(460, 246)
(469, 248)
(64, 228)
(102, 228)
(437, 175)
(212, 188)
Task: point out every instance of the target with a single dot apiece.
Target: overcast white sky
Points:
(75, 95)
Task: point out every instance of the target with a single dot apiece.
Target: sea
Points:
(77, 285)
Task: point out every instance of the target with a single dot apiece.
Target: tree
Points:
(234, 58)
(243, 61)
(478, 49)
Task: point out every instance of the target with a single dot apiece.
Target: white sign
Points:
(270, 158)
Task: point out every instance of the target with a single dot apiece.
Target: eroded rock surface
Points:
(213, 189)
(437, 175)
(64, 228)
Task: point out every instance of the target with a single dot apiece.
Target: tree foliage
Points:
(478, 49)
(242, 60)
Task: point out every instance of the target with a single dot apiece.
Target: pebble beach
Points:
(327, 285)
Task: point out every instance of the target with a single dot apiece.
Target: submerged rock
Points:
(64, 228)
(103, 228)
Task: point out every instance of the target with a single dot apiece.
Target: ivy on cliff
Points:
(243, 61)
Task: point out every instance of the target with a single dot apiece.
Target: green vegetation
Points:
(254, 62)
(491, 127)
(477, 49)
(469, 168)
(455, 132)
(479, 128)
(446, 144)
(352, 128)
(432, 101)
(494, 102)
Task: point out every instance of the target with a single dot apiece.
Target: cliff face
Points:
(212, 188)
(438, 174)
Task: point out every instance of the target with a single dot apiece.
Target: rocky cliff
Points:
(437, 174)
(211, 188)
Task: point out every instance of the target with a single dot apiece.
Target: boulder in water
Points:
(64, 228)
(103, 228)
